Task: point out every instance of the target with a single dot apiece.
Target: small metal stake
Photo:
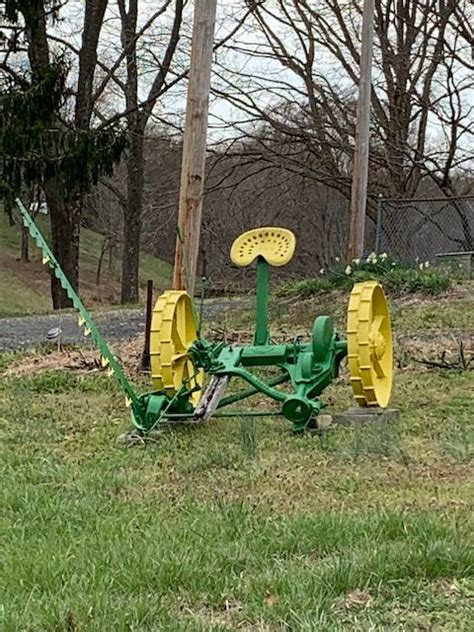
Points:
(55, 334)
(378, 228)
(148, 315)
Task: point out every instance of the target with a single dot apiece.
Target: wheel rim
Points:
(173, 330)
(369, 345)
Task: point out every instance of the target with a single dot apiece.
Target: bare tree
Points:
(137, 120)
(238, 197)
(300, 79)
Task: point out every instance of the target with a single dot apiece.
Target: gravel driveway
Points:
(122, 324)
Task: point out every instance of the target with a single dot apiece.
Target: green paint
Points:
(309, 368)
(263, 272)
(237, 397)
(90, 326)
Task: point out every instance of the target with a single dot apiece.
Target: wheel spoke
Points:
(178, 371)
(179, 356)
(377, 325)
(378, 367)
(179, 326)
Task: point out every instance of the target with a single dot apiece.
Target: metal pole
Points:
(361, 155)
(378, 227)
(261, 333)
(148, 315)
(194, 146)
(237, 397)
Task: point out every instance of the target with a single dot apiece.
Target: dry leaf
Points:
(271, 600)
(357, 598)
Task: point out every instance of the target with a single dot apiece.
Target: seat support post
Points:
(261, 333)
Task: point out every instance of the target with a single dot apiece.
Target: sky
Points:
(262, 72)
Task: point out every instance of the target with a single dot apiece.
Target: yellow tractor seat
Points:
(275, 245)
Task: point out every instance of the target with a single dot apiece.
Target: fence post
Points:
(148, 317)
(378, 228)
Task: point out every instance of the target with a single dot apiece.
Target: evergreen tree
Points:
(39, 147)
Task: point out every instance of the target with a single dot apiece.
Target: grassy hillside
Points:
(235, 523)
(24, 287)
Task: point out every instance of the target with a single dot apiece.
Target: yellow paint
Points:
(275, 245)
(173, 331)
(369, 345)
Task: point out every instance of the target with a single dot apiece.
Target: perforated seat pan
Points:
(275, 245)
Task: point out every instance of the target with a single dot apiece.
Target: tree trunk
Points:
(64, 217)
(65, 229)
(103, 250)
(93, 21)
(133, 219)
(25, 244)
(468, 237)
(137, 120)
(110, 266)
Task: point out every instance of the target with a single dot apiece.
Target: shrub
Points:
(396, 276)
(304, 288)
(407, 281)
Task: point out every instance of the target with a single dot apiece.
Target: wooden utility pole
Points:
(194, 146)
(361, 155)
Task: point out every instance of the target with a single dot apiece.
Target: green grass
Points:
(237, 524)
(228, 525)
(17, 297)
(447, 314)
(24, 288)
(449, 311)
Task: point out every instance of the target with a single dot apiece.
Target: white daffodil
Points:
(421, 266)
(427, 264)
(372, 258)
(348, 270)
(384, 256)
(356, 261)
(321, 271)
(337, 259)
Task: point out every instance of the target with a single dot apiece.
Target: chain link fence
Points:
(424, 228)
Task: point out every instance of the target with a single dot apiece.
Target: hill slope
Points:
(24, 287)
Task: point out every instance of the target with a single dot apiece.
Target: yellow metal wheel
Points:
(369, 345)
(173, 330)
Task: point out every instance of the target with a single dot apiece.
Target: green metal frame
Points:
(308, 368)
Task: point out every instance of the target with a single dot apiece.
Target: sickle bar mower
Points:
(190, 374)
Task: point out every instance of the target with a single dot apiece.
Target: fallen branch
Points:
(461, 363)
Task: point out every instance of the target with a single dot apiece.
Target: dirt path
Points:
(122, 324)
